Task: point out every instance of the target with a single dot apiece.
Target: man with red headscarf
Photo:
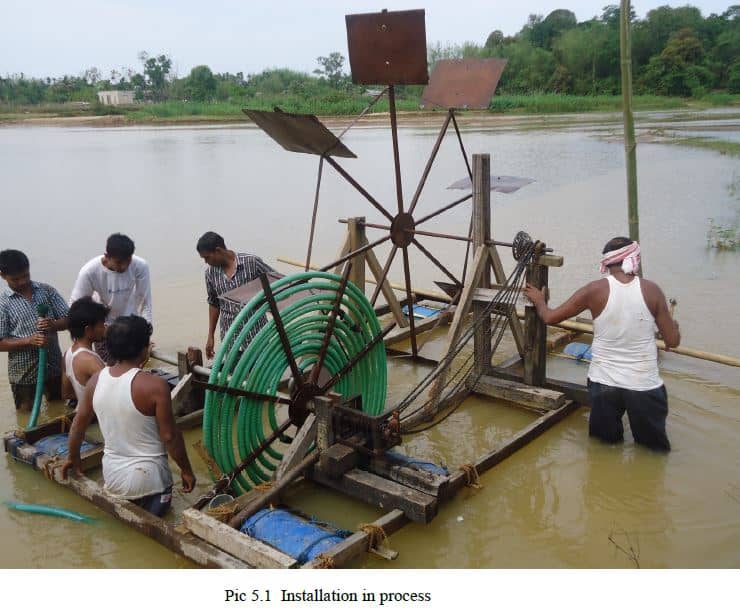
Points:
(623, 375)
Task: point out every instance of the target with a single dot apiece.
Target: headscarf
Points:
(628, 255)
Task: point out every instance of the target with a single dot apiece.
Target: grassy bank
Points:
(339, 103)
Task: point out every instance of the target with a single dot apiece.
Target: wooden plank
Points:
(343, 250)
(486, 295)
(390, 297)
(358, 543)
(573, 391)
(416, 478)
(274, 492)
(160, 530)
(550, 260)
(519, 440)
(356, 233)
(250, 550)
(481, 234)
(539, 398)
(535, 332)
(337, 460)
(191, 420)
(377, 491)
(180, 394)
(298, 448)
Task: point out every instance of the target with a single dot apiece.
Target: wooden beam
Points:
(160, 530)
(481, 234)
(250, 550)
(390, 297)
(486, 295)
(377, 491)
(416, 478)
(535, 332)
(550, 260)
(356, 237)
(358, 543)
(519, 440)
(513, 391)
(180, 394)
(274, 492)
(573, 391)
(298, 448)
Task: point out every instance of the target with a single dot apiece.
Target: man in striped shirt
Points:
(226, 270)
(23, 331)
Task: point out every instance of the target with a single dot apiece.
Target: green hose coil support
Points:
(234, 426)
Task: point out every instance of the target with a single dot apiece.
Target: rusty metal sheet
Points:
(499, 184)
(388, 48)
(463, 83)
(302, 133)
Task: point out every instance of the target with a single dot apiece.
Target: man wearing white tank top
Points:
(134, 411)
(623, 375)
(86, 326)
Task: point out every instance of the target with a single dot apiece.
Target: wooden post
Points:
(356, 228)
(535, 331)
(481, 235)
(324, 428)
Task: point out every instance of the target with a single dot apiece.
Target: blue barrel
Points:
(300, 539)
(56, 444)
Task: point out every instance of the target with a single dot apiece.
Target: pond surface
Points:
(562, 501)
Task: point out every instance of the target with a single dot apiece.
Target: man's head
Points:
(620, 253)
(15, 269)
(212, 249)
(128, 338)
(87, 319)
(118, 252)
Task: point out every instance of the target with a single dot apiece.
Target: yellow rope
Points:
(50, 466)
(376, 534)
(223, 512)
(323, 562)
(266, 486)
(471, 476)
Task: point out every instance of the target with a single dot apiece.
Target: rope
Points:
(376, 535)
(323, 562)
(224, 512)
(52, 465)
(472, 479)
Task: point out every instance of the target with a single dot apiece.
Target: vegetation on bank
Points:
(555, 64)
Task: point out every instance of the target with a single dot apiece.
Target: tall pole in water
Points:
(630, 146)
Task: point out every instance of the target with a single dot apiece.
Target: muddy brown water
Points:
(562, 501)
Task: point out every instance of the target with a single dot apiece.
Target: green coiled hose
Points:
(261, 365)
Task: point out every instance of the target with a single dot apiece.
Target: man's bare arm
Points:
(577, 303)
(667, 326)
(171, 435)
(82, 420)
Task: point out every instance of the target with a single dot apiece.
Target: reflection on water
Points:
(555, 503)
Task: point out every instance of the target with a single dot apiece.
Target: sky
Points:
(51, 37)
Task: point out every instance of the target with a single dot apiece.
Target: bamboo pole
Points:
(630, 146)
(684, 351)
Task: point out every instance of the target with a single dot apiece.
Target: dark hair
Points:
(209, 241)
(85, 312)
(119, 246)
(13, 262)
(127, 336)
(615, 243)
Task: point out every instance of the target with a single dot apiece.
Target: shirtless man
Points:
(80, 362)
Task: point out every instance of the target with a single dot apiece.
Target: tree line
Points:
(675, 52)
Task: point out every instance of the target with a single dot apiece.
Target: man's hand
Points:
(534, 294)
(45, 324)
(188, 481)
(68, 465)
(37, 340)
(209, 347)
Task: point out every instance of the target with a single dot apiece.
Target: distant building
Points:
(116, 98)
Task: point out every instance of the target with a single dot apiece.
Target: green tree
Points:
(201, 84)
(679, 69)
(330, 67)
(156, 71)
